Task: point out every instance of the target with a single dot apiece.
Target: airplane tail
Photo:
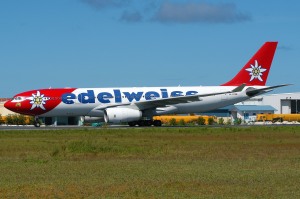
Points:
(256, 70)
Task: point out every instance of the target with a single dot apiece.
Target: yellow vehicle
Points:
(277, 117)
(165, 119)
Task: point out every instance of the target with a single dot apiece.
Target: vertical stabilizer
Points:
(256, 70)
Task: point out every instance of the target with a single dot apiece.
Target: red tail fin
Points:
(256, 71)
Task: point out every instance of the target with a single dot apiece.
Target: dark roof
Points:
(252, 108)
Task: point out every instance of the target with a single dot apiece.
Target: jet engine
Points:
(118, 115)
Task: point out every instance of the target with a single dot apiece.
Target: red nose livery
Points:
(139, 104)
(37, 102)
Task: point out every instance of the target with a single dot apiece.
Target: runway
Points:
(73, 127)
(70, 127)
(31, 127)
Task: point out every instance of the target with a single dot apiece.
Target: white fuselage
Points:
(92, 101)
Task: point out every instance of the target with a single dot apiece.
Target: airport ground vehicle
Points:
(278, 117)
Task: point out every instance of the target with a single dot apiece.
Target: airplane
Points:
(138, 105)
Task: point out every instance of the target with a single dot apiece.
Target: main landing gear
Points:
(36, 121)
(145, 123)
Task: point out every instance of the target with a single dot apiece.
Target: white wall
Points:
(274, 100)
(4, 111)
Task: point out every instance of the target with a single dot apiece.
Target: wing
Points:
(162, 102)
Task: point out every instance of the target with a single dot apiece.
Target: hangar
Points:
(284, 103)
(245, 112)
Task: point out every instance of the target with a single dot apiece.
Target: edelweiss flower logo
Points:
(256, 71)
(38, 100)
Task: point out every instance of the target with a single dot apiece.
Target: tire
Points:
(132, 124)
(157, 123)
(141, 123)
(37, 124)
(148, 122)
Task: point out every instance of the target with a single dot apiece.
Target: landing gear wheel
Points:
(131, 123)
(36, 122)
(157, 123)
(148, 122)
(141, 123)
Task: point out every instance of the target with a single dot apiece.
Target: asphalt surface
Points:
(31, 127)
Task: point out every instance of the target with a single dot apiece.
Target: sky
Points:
(132, 43)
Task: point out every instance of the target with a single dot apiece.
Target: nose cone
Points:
(14, 106)
(9, 105)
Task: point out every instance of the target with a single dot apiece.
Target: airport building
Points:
(245, 112)
(284, 103)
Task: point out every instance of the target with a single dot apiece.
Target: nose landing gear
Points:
(36, 121)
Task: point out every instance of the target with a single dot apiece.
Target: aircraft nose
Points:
(14, 106)
(9, 105)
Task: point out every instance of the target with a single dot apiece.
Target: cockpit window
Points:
(18, 99)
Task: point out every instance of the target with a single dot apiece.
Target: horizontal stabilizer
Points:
(254, 92)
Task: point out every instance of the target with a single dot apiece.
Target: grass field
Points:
(251, 162)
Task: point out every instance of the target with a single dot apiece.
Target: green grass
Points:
(251, 162)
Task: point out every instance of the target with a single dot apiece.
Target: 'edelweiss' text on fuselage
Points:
(105, 97)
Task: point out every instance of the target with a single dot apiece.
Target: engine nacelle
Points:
(119, 115)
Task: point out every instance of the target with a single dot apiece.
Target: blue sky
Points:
(118, 43)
